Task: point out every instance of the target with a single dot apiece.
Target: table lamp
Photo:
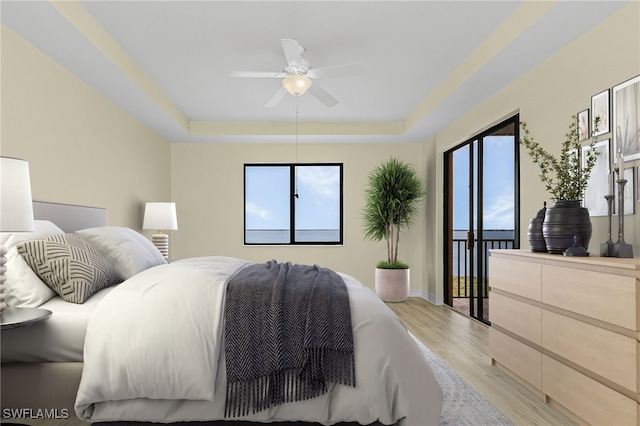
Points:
(16, 208)
(161, 217)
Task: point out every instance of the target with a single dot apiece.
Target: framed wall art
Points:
(629, 191)
(600, 183)
(600, 108)
(626, 118)
(583, 125)
(638, 182)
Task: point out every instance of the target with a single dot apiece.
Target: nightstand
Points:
(22, 317)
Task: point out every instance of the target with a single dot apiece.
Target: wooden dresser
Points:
(568, 328)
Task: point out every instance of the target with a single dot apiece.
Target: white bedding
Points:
(58, 339)
(154, 352)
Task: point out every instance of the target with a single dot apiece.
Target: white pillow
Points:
(128, 251)
(24, 287)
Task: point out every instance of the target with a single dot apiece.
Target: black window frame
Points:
(292, 197)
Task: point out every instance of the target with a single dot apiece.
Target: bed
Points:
(27, 379)
(120, 354)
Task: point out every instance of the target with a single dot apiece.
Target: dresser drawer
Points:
(606, 297)
(518, 317)
(522, 278)
(520, 359)
(588, 399)
(608, 354)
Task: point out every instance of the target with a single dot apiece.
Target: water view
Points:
(282, 236)
(493, 239)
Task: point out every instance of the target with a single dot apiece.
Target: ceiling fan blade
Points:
(291, 52)
(322, 95)
(276, 98)
(336, 71)
(257, 74)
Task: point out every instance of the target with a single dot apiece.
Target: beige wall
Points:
(51, 118)
(81, 148)
(546, 98)
(207, 185)
(432, 245)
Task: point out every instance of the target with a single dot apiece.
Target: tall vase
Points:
(534, 233)
(562, 222)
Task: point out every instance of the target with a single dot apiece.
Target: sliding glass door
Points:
(481, 213)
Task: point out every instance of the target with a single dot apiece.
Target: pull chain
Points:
(296, 167)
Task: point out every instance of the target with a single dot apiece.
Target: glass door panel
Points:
(481, 214)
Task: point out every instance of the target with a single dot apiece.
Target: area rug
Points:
(462, 405)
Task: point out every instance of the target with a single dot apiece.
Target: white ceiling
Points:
(427, 62)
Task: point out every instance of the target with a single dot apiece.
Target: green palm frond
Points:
(392, 200)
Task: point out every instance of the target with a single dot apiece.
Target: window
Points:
(293, 203)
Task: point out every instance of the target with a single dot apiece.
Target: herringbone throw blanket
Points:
(287, 335)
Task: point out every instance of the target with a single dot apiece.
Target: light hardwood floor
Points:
(463, 343)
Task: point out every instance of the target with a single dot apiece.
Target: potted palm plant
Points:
(392, 199)
(565, 178)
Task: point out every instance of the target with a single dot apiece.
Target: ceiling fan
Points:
(297, 75)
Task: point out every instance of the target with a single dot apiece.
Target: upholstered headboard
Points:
(69, 217)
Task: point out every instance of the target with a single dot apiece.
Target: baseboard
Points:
(434, 300)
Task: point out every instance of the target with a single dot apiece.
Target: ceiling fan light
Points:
(297, 84)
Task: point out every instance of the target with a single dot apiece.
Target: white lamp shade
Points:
(16, 208)
(297, 84)
(160, 216)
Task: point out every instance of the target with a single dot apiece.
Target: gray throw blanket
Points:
(287, 334)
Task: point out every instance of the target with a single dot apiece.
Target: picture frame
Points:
(629, 191)
(626, 118)
(638, 182)
(601, 107)
(600, 182)
(583, 125)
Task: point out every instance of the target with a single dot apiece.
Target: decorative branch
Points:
(564, 177)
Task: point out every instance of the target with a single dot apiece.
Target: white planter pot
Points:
(392, 285)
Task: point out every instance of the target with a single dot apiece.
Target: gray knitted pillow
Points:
(70, 265)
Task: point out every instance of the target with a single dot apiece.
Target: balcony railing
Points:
(462, 283)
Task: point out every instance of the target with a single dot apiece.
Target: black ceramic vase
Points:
(534, 233)
(562, 223)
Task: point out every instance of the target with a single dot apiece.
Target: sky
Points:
(317, 205)
(267, 196)
(498, 184)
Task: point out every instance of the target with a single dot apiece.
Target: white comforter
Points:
(154, 352)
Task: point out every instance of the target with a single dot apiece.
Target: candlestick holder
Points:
(606, 248)
(621, 248)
